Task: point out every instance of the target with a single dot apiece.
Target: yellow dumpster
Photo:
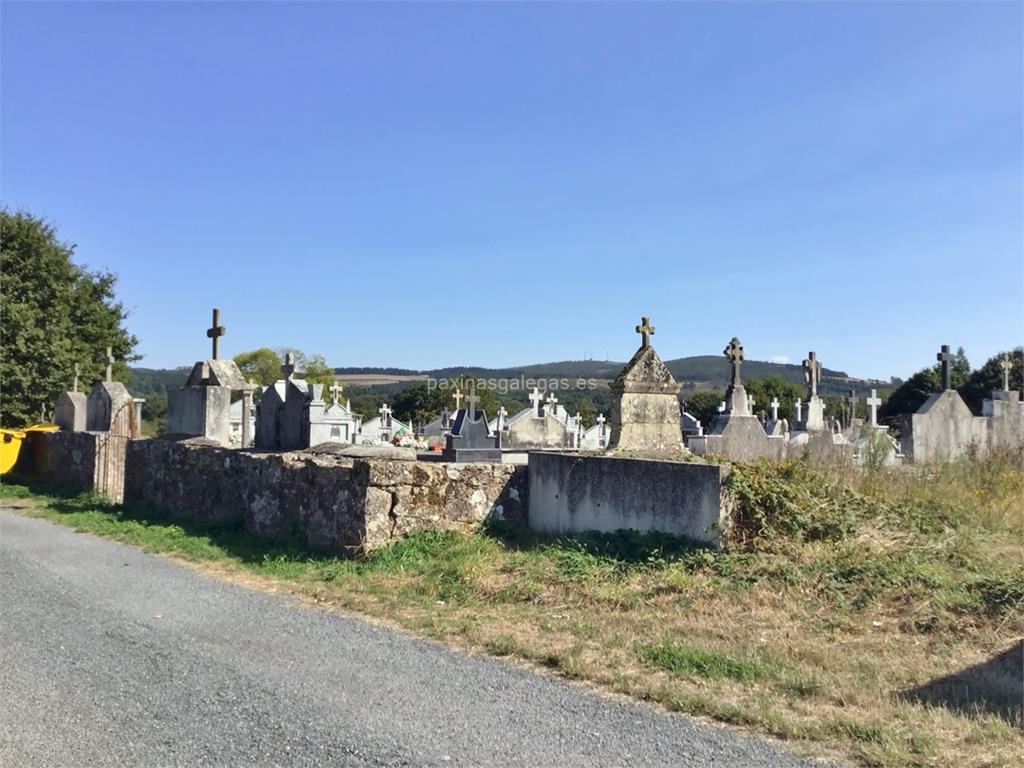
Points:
(11, 440)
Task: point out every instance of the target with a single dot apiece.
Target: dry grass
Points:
(841, 598)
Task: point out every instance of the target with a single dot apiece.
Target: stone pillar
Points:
(246, 422)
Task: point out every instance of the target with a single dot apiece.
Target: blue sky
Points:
(422, 185)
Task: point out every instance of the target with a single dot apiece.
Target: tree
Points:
(703, 406)
(912, 393)
(989, 378)
(55, 314)
(774, 386)
(316, 371)
(262, 366)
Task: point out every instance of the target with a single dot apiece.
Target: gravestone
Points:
(537, 428)
(814, 409)
(943, 428)
(470, 439)
(70, 414)
(202, 407)
(1005, 413)
(110, 408)
(736, 432)
(645, 402)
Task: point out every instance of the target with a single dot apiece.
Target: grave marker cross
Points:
(551, 401)
(110, 364)
(852, 400)
(947, 372)
(74, 381)
(1006, 364)
(288, 367)
(535, 398)
(812, 373)
(215, 332)
(646, 330)
(775, 408)
(873, 402)
(471, 401)
(457, 397)
(335, 391)
(385, 415)
(734, 354)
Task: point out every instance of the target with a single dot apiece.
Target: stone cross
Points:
(215, 332)
(385, 415)
(734, 354)
(471, 401)
(535, 398)
(500, 423)
(600, 423)
(947, 371)
(457, 397)
(646, 330)
(550, 402)
(110, 364)
(873, 402)
(335, 390)
(1006, 364)
(74, 381)
(751, 402)
(799, 409)
(812, 373)
(288, 368)
(852, 400)
(775, 408)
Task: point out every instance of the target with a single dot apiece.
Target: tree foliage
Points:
(772, 386)
(263, 366)
(989, 378)
(703, 405)
(55, 313)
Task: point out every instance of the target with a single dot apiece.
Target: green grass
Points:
(837, 597)
(684, 660)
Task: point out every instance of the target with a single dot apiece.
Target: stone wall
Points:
(571, 493)
(83, 461)
(336, 504)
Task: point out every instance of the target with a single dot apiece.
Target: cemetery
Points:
(299, 462)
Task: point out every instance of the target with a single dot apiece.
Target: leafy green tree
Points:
(262, 365)
(989, 378)
(55, 313)
(419, 403)
(912, 393)
(316, 371)
(703, 406)
(774, 386)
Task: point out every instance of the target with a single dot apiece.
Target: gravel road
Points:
(113, 657)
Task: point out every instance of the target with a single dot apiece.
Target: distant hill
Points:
(700, 372)
(155, 381)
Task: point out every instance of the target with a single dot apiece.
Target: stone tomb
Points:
(202, 407)
(71, 410)
(943, 429)
(543, 426)
(645, 403)
(736, 432)
(470, 438)
(574, 493)
(110, 408)
(811, 435)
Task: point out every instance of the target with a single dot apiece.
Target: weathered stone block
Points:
(572, 493)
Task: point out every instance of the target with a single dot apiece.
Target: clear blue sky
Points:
(422, 185)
